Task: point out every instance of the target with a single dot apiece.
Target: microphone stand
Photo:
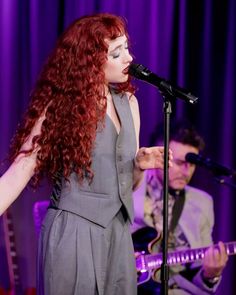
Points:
(164, 266)
(222, 180)
(168, 95)
(168, 92)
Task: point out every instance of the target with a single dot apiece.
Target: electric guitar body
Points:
(148, 261)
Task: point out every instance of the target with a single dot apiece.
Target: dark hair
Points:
(181, 131)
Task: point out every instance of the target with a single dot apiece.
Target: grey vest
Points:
(112, 164)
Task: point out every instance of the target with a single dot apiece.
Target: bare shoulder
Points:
(132, 98)
(133, 101)
(134, 107)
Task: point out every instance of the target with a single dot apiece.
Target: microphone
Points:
(209, 164)
(140, 72)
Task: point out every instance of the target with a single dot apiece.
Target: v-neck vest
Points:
(112, 164)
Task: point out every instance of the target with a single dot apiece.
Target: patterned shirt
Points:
(153, 216)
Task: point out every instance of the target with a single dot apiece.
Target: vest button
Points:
(119, 157)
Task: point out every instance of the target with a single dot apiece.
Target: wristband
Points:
(210, 282)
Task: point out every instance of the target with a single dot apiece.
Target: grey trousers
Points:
(79, 257)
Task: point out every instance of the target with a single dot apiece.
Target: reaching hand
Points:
(152, 157)
(214, 261)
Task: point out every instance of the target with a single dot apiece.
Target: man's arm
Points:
(215, 259)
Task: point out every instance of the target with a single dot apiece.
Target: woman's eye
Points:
(115, 55)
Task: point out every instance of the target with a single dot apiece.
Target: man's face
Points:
(181, 172)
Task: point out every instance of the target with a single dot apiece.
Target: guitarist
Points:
(191, 218)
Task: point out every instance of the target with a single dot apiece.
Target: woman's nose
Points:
(128, 57)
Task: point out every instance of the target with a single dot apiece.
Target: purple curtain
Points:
(191, 43)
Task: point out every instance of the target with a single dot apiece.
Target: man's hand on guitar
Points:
(214, 261)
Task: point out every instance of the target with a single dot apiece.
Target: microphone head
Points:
(138, 71)
(193, 158)
(216, 168)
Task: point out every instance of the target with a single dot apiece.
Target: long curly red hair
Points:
(70, 89)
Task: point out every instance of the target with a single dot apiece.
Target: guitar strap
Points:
(177, 208)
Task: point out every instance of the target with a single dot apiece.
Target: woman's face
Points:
(118, 60)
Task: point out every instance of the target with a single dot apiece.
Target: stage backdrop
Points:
(191, 43)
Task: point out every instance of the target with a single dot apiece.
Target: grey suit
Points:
(85, 242)
(196, 222)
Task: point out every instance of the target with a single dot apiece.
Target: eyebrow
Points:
(119, 46)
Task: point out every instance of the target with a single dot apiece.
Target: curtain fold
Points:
(191, 43)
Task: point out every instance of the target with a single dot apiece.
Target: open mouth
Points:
(126, 71)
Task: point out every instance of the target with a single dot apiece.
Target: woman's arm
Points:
(146, 158)
(137, 173)
(15, 179)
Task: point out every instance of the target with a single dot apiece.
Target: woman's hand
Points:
(151, 158)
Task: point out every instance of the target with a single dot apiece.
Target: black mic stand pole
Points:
(224, 181)
(164, 266)
(168, 92)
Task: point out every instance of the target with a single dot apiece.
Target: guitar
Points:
(12, 260)
(148, 264)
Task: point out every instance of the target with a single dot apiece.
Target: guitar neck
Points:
(13, 268)
(152, 261)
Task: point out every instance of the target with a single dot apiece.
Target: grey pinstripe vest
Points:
(112, 164)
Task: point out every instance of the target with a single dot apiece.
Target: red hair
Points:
(71, 90)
